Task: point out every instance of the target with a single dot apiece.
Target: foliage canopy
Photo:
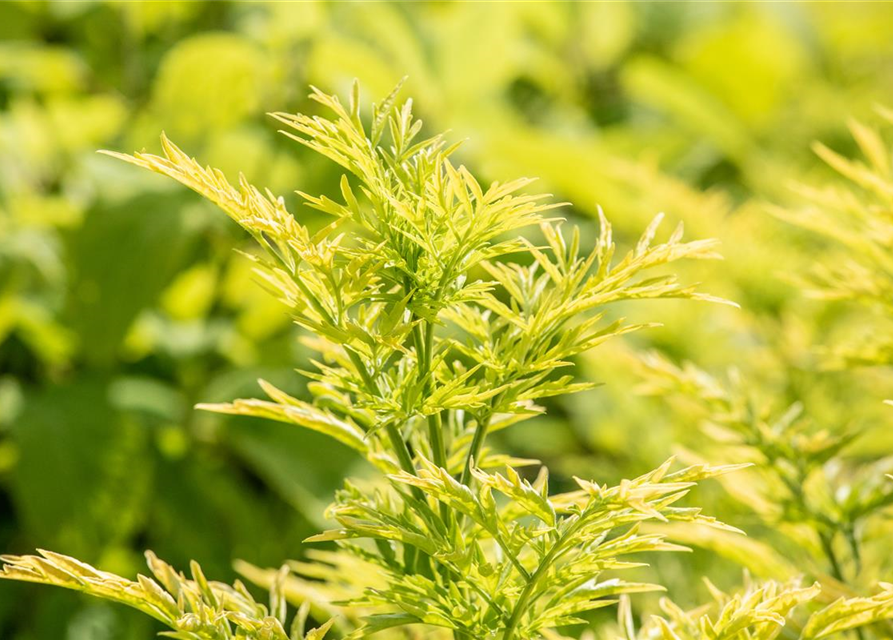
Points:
(435, 325)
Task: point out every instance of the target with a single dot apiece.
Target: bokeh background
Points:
(122, 302)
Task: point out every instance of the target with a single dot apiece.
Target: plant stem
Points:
(474, 451)
(828, 547)
(477, 442)
(424, 351)
(854, 548)
(404, 457)
(544, 565)
(435, 433)
(850, 536)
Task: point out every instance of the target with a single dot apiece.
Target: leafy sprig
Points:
(435, 325)
(852, 215)
(802, 478)
(194, 608)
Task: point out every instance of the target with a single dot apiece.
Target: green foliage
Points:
(103, 347)
(759, 611)
(853, 215)
(480, 554)
(827, 505)
(802, 479)
(195, 609)
(375, 288)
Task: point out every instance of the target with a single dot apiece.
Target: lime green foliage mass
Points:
(418, 361)
(122, 303)
(192, 608)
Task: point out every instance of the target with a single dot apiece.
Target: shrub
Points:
(436, 325)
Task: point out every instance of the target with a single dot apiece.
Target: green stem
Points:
(545, 564)
(435, 433)
(367, 378)
(511, 556)
(854, 549)
(828, 547)
(474, 451)
(316, 304)
(404, 457)
(853, 543)
(795, 486)
(424, 352)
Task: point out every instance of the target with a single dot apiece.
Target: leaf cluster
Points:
(761, 610)
(434, 326)
(852, 216)
(194, 608)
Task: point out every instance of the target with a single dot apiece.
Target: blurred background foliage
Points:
(122, 303)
